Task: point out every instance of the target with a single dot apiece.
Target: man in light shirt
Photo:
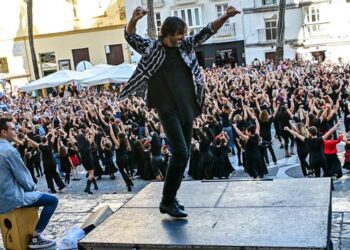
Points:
(17, 188)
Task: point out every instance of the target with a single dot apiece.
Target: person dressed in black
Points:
(315, 146)
(84, 145)
(106, 146)
(122, 147)
(283, 117)
(66, 165)
(302, 148)
(98, 171)
(156, 147)
(266, 121)
(49, 163)
(175, 89)
(251, 148)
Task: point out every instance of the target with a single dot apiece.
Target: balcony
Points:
(226, 31)
(267, 35)
(179, 2)
(316, 30)
(156, 3)
(310, 2)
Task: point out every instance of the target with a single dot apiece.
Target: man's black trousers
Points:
(179, 136)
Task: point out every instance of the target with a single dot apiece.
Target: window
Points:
(220, 10)
(269, 2)
(312, 14)
(48, 63)
(192, 16)
(313, 18)
(4, 68)
(271, 30)
(158, 21)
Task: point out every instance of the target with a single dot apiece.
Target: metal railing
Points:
(185, 1)
(156, 3)
(226, 31)
(314, 30)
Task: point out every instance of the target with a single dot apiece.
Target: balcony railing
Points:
(316, 30)
(267, 35)
(156, 3)
(226, 31)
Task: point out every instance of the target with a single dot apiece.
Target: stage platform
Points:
(274, 214)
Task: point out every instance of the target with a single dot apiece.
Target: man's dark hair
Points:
(171, 25)
(3, 123)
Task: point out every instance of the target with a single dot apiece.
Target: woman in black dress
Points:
(206, 156)
(121, 147)
(84, 141)
(49, 163)
(194, 169)
(139, 158)
(156, 147)
(106, 146)
(251, 139)
(98, 171)
(222, 167)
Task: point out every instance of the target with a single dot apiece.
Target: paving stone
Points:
(346, 218)
(345, 243)
(345, 231)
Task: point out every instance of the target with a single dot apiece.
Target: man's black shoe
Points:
(179, 204)
(172, 209)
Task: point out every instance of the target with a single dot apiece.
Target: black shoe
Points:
(88, 191)
(179, 204)
(172, 210)
(129, 189)
(39, 242)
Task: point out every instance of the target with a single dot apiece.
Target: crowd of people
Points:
(296, 104)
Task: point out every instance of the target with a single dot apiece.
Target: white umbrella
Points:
(113, 74)
(61, 77)
(97, 69)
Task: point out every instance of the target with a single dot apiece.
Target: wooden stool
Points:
(17, 227)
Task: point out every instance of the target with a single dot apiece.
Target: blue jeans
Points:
(142, 132)
(49, 203)
(58, 163)
(231, 136)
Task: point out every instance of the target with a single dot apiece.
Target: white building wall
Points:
(254, 27)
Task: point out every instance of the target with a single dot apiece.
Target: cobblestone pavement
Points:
(75, 206)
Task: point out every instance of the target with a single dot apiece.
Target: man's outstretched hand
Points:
(231, 11)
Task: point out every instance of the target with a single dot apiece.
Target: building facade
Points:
(314, 29)
(66, 32)
(227, 45)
